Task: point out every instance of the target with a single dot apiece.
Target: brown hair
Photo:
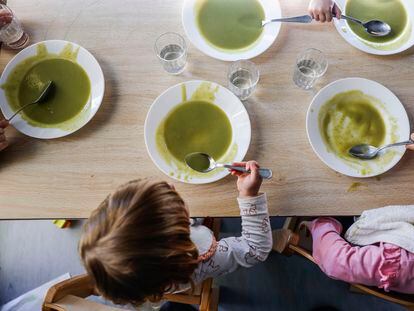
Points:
(136, 244)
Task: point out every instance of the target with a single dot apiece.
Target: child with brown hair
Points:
(140, 244)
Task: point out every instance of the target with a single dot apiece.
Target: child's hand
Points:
(248, 184)
(411, 147)
(3, 141)
(322, 10)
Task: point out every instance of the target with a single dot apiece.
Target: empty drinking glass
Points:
(171, 50)
(11, 31)
(310, 66)
(243, 76)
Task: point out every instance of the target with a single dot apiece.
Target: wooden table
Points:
(69, 177)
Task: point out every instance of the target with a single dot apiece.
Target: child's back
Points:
(139, 243)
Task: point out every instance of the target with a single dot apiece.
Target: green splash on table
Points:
(224, 151)
(70, 95)
(352, 118)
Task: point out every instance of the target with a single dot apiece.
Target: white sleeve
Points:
(252, 247)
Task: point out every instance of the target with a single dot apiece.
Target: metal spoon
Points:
(374, 27)
(367, 152)
(297, 19)
(211, 165)
(49, 86)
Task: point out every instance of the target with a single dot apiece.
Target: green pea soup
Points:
(68, 97)
(230, 24)
(351, 118)
(197, 126)
(392, 12)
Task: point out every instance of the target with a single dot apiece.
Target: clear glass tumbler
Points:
(171, 50)
(11, 31)
(243, 77)
(310, 66)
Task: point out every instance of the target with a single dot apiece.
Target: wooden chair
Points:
(292, 240)
(69, 295)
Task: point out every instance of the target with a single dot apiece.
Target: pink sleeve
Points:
(338, 259)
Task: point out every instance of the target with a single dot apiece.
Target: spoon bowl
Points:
(368, 152)
(374, 28)
(42, 97)
(204, 163)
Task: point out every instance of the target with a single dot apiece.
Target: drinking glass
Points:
(310, 66)
(11, 31)
(243, 76)
(171, 50)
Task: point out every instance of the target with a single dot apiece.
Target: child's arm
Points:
(3, 141)
(411, 147)
(255, 243)
(324, 10)
(340, 260)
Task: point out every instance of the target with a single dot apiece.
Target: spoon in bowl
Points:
(45, 92)
(203, 163)
(374, 28)
(367, 152)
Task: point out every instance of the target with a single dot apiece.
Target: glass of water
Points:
(171, 50)
(11, 31)
(310, 66)
(243, 77)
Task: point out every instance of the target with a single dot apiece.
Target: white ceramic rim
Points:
(352, 39)
(85, 59)
(151, 144)
(271, 31)
(314, 136)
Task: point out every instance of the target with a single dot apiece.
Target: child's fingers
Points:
(254, 168)
(337, 11)
(236, 173)
(240, 164)
(4, 124)
(322, 17)
(3, 145)
(328, 16)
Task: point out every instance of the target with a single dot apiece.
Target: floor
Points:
(34, 252)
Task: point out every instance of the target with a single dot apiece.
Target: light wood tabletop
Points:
(69, 177)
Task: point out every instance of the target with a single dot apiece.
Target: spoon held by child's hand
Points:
(367, 152)
(203, 163)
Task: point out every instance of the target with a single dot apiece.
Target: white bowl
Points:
(345, 31)
(392, 112)
(91, 67)
(270, 32)
(227, 101)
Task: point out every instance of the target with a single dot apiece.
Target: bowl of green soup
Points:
(231, 30)
(78, 88)
(196, 116)
(399, 14)
(355, 111)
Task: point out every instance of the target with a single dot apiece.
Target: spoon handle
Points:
(351, 19)
(297, 19)
(18, 111)
(265, 173)
(402, 143)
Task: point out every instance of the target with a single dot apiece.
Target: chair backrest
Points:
(294, 245)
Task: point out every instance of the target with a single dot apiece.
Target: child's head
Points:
(136, 244)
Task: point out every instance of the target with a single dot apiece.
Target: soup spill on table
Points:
(230, 24)
(70, 95)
